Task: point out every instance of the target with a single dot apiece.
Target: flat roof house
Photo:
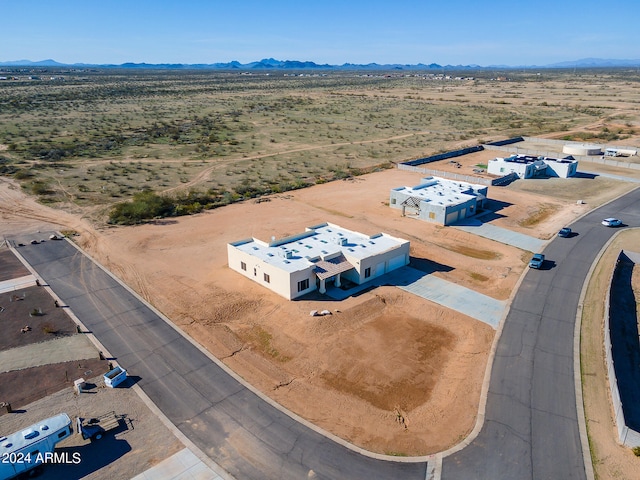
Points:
(528, 166)
(325, 253)
(439, 200)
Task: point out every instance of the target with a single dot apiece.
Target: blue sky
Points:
(335, 32)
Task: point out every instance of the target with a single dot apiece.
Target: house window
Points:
(501, 169)
(432, 215)
(255, 272)
(303, 285)
(243, 266)
(367, 272)
(267, 278)
(393, 201)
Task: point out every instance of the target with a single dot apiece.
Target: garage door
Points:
(451, 218)
(396, 262)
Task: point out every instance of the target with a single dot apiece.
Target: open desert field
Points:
(390, 372)
(95, 138)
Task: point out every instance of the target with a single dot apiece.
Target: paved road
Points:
(531, 426)
(245, 435)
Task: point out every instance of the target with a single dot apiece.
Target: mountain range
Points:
(273, 64)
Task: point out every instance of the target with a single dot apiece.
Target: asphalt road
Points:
(531, 426)
(245, 435)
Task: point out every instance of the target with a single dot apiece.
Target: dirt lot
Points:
(21, 387)
(388, 371)
(18, 307)
(123, 453)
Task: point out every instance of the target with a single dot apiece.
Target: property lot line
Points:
(65, 349)
(17, 283)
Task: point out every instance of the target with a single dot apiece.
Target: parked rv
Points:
(28, 449)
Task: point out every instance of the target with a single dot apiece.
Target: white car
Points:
(611, 222)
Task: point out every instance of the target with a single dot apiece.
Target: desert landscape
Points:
(388, 371)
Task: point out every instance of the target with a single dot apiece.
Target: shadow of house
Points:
(490, 210)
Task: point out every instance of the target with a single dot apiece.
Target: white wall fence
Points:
(459, 176)
(627, 436)
(452, 176)
(521, 150)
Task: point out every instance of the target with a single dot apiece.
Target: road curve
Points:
(241, 432)
(531, 421)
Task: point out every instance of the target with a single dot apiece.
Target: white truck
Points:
(27, 449)
(620, 152)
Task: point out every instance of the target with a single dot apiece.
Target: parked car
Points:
(536, 261)
(564, 232)
(611, 222)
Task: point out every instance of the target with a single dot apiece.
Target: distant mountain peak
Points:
(272, 63)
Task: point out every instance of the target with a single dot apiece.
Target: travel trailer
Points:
(27, 449)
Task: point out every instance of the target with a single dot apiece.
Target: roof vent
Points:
(29, 434)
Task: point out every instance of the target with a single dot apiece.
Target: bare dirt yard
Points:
(387, 371)
(123, 452)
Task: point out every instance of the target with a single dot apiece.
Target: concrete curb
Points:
(143, 396)
(344, 443)
(577, 353)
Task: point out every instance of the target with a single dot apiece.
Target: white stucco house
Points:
(324, 254)
(528, 166)
(439, 200)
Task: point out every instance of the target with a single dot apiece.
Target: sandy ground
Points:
(122, 453)
(388, 371)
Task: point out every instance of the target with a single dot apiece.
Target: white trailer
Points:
(620, 152)
(115, 377)
(29, 448)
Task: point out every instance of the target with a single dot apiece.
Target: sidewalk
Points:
(502, 235)
(64, 349)
(183, 465)
(17, 283)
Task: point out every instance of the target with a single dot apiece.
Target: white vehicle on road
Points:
(611, 222)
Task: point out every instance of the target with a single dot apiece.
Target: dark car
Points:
(536, 261)
(564, 232)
